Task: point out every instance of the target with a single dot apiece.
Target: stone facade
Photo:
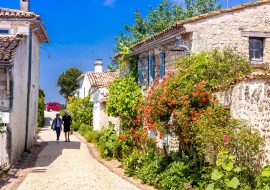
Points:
(229, 28)
(232, 28)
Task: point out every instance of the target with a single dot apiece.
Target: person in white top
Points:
(57, 126)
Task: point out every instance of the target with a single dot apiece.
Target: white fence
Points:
(4, 161)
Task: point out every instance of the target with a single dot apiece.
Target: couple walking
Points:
(57, 126)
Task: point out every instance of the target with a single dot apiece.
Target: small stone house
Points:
(21, 33)
(245, 28)
(99, 93)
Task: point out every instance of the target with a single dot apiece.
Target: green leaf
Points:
(216, 175)
(211, 186)
(266, 172)
(228, 167)
(234, 183)
(237, 170)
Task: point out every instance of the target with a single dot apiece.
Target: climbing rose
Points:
(136, 138)
(135, 122)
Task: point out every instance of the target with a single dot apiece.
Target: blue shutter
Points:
(147, 70)
(153, 133)
(161, 64)
(165, 140)
(140, 78)
(152, 68)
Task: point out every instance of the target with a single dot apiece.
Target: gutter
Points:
(153, 45)
(28, 88)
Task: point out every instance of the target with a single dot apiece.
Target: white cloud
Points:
(109, 3)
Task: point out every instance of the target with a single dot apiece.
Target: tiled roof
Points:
(8, 46)
(180, 23)
(17, 14)
(102, 79)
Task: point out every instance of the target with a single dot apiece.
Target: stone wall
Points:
(225, 30)
(249, 100)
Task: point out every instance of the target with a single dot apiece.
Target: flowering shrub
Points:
(172, 106)
(124, 100)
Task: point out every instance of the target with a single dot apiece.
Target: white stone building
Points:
(21, 34)
(245, 28)
(96, 85)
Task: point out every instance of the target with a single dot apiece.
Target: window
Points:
(152, 68)
(256, 49)
(4, 31)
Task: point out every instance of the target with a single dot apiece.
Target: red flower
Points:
(174, 102)
(132, 130)
(198, 87)
(160, 135)
(191, 112)
(203, 82)
(135, 122)
(136, 138)
(145, 128)
(203, 100)
(206, 94)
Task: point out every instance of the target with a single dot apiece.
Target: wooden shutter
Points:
(161, 64)
(152, 68)
(140, 78)
(146, 79)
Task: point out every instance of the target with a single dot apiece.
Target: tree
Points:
(67, 81)
(157, 20)
(161, 18)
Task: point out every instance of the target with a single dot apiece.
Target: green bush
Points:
(81, 110)
(263, 180)
(41, 107)
(76, 125)
(83, 129)
(92, 136)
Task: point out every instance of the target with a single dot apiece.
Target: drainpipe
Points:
(28, 88)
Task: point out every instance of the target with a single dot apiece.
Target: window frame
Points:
(253, 59)
(5, 29)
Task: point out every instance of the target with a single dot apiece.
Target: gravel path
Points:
(69, 166)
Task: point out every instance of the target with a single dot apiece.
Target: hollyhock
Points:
(225, 137)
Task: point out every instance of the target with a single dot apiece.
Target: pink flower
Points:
(225, 137)
(226, 143)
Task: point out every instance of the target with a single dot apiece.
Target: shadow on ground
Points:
(41, 155)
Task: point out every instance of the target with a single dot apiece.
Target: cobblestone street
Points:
(66, 166)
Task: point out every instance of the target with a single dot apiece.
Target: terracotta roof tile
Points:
(180, 23)
(102, 79)
(8, 46)
(17, 14)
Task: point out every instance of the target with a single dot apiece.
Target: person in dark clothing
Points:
(67, 123)
(57, 126)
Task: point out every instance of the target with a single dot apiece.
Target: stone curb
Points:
(114, 166)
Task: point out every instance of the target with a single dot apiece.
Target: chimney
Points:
(25, 5)
(98, 66)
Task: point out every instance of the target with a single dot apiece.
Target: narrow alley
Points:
(68, 165)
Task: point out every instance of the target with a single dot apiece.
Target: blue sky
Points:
(82, 32)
